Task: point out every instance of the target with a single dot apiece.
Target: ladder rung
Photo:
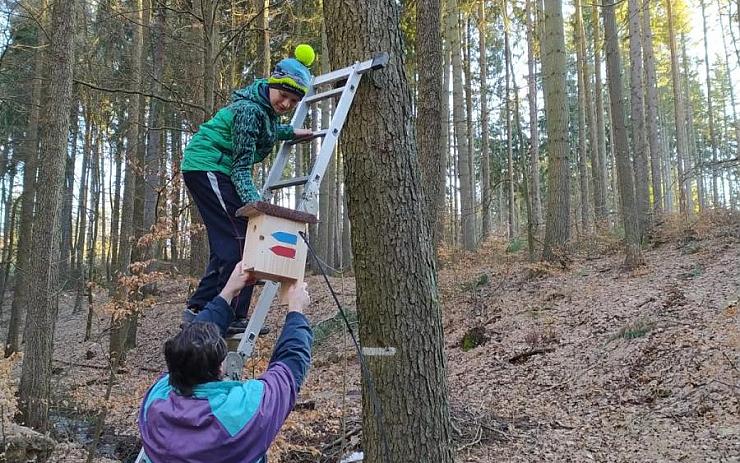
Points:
(323, 95)
(317, 134)
(334, 76)
(289, 182)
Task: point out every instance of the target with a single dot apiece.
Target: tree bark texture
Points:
(397, 298)
(621, 144)
(429, 124)
(557, 228)
(39, 331)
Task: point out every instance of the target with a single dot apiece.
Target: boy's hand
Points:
(236, 282)
(298, 298)
(301, 133)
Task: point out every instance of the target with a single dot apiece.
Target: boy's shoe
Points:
(240, 325)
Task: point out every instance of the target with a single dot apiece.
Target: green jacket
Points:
(237, 137)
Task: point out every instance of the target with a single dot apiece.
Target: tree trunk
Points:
(509, 148)
(621, 145)
(731, 87)
(69, 182)
(82, 213)
(466, 34)
(429, 128)
(651, 98)
(116, 202)
(263, 41)
(92, 236)
(327, 184)
(485, 155)
(557, 228)
(176, 185)
(534, 137)
(119, 328)
(447, 159)
(467, 206)
(639, 140)
(583, 91)
(397, 298)
(153, 154)
(29, 154)
(39, 336)
(680, 118)
(694, 164)
(601, 176)
(346, 228)
(710, 109)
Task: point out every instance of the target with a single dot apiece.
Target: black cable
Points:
(377, 408)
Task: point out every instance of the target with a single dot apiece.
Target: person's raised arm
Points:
(219, 310)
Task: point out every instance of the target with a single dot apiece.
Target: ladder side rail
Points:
(362, 67)
(257, 319)
(309, 201)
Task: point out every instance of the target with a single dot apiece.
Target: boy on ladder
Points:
(217, 168)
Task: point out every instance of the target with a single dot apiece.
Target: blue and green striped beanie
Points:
(292, 74)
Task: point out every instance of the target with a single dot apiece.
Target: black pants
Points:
(217, 201)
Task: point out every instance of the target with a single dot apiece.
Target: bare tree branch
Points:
(135, 92)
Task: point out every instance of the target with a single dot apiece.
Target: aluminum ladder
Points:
(345, 82)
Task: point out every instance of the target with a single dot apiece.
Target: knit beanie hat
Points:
(292, 74)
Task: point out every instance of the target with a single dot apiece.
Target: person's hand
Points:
(238, 280)
(302, 133)
(298, 298)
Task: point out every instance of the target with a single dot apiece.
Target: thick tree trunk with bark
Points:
(397, 297)
(429, 128)
(29, 154)
(39, 334)
(621, 144)
(557, 229)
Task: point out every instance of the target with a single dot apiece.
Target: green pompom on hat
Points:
(305, 54)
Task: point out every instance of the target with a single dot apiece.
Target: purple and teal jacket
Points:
(227, 421)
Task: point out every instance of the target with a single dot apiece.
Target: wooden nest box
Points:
(273, 248)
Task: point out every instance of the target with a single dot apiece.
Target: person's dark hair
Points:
(194, 356)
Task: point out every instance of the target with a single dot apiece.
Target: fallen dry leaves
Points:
(584, 363)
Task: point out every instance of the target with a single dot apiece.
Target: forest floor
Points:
(575, 364)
